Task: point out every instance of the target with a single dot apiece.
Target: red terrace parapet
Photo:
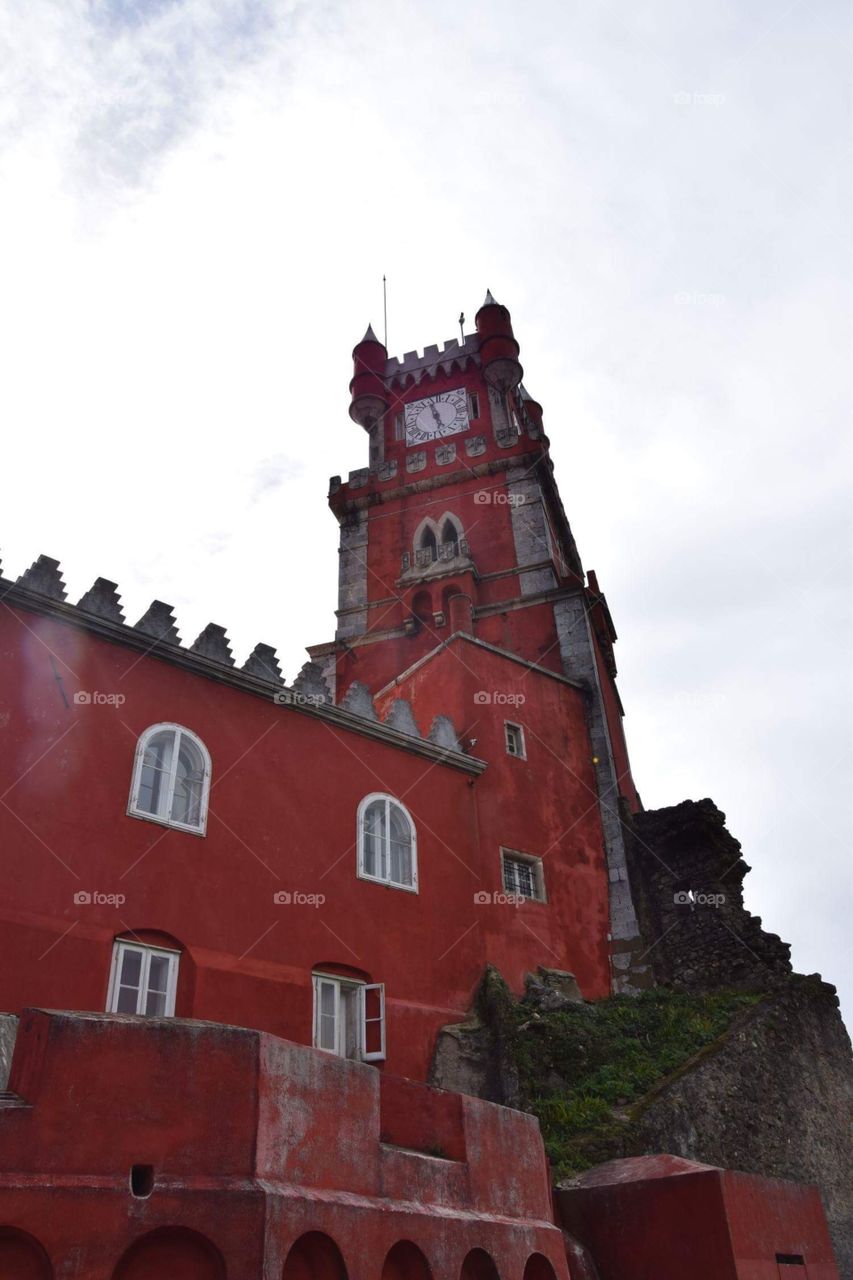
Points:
(678, 1219)
(249, 1142)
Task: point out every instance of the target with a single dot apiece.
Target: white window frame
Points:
(515, 855)
(133, 809)
(360, 871)
(120, 946)
(474, 405)
(358, 991)
(509, 727)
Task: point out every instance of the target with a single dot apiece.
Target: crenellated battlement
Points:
(42, 588)
(453, 355)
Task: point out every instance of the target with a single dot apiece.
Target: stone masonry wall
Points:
(630, 972)
(775, 1098)
(687, 877)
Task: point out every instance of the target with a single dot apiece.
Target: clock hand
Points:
(436, 416)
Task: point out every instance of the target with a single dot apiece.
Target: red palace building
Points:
(263, 900)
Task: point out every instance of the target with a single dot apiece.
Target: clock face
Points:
(437, 416)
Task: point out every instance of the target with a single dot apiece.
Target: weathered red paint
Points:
(260, 1148)
(286, 788)
(672, 1218)
(255, 1155)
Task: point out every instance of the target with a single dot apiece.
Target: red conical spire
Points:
(367, 388)
(498, 347)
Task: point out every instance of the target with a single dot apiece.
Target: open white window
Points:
(523, 875)
(514, 740)
(143, 980)
(387, 843)
(349, 1017)
(171, 778)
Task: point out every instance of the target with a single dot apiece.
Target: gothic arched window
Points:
(171, 778)
(429, 543)
(387, 843)
(450, 536)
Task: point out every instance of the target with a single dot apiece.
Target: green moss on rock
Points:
(584, 1070)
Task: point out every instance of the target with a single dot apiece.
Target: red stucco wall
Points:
(285, 791)
(256, 1146)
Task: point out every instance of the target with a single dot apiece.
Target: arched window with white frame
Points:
(143, 979)
(171, 778)
(387, 843)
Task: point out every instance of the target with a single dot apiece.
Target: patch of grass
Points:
(580, 1070)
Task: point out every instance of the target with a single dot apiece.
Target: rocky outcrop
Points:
(687, 877)
(476, 1056)
(774, 1096)
(771, 1094)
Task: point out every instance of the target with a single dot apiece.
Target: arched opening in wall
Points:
(478, 1265)
(422, 607)
(314, 1256)
(141, 1180)
(429, 544)
(406, 1262)
(22, 1257)
(450, 537)
(171, 1251)
(538, 1267)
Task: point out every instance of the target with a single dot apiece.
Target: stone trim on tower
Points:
(529, 530)
(352, 575)
(629, 974)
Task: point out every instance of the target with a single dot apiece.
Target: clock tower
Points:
(455, 528)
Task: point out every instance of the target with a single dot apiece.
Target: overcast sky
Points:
(199, 199)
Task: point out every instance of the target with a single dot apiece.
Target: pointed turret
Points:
(369, 396)
(498, 347)
(532, 407)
